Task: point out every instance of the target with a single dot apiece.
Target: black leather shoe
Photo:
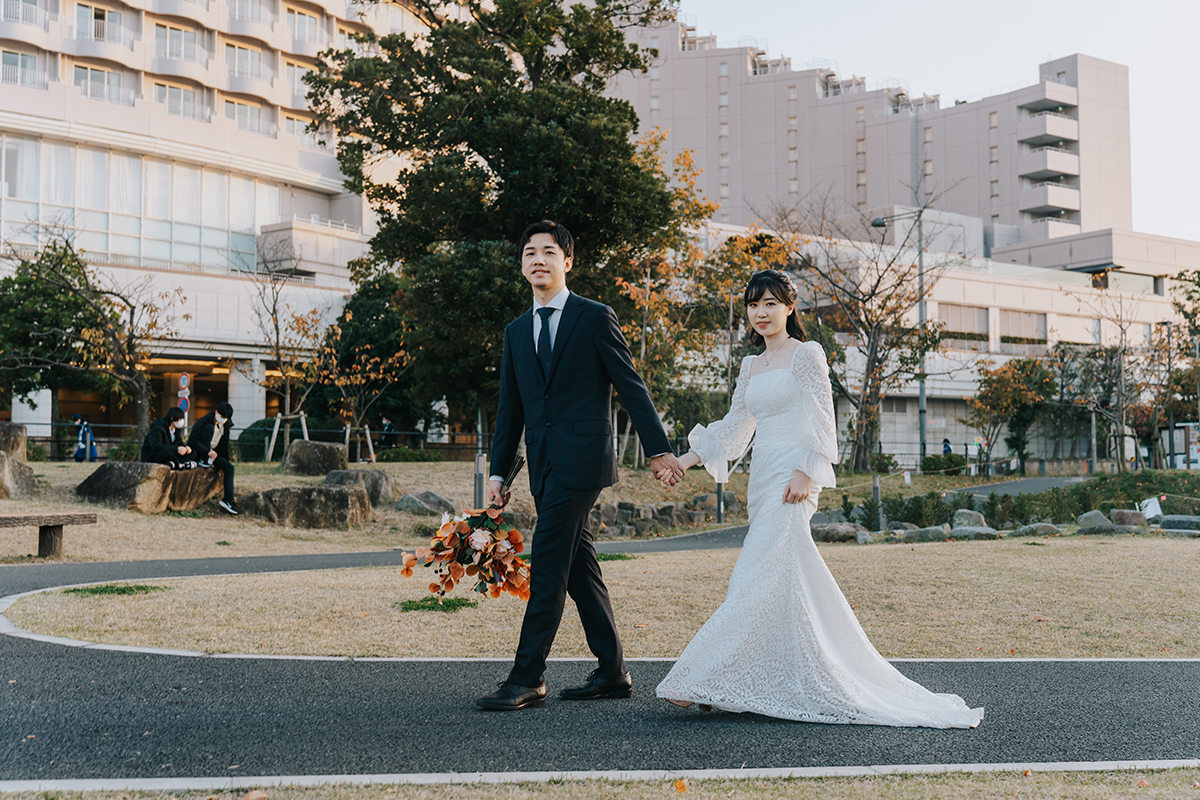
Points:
(598, 687)
(510, 697)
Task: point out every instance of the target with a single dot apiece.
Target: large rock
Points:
(1037, 529)
(426, 504)
(1122, 516)
(837, 531)
(974, 532)
(12, 440)
(311, 506)
(313, 458)
(965, 518)
(16, 478)
(1180, 522)
(1093, 519)
(937, 533)
(1108, 530)
(381, 487)
(150, 488)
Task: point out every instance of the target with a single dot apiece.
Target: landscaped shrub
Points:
(252, 442)
(884, 462)
(895, 508)
(955, 463)
(127, 450)
(407, 454)
(34, 452)
(867, 514)
(933, 463)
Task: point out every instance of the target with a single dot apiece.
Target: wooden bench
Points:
(50, 529)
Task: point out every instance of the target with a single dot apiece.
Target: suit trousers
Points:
(564, 562)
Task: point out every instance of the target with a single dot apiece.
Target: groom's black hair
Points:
(562, 237)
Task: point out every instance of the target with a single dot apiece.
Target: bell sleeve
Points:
(725, 440)
(818, 449)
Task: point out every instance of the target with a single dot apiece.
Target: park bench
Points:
(50, 529)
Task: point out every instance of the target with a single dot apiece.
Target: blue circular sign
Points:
(183, 404)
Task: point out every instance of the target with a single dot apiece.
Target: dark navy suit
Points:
(567, 419)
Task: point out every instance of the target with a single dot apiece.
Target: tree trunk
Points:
(141, 399)
(53, 422)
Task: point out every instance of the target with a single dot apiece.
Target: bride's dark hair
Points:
(782, 289)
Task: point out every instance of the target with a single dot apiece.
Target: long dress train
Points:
(785, 642)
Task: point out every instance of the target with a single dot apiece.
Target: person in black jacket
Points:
(210, 441)
(391, 436)
(163, 445)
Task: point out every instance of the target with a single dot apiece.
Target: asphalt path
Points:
(72, 712)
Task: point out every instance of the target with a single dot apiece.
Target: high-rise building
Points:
(170, 139)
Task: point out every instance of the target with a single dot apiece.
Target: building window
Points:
(963, 319)
(654, 103)
(862, 177)
(1147, 332)
(20, 163)
(793, 155)
(295, 74)
(723, 129)
(928, 167)
(177, 44)
(724, 159)
(792, 93)
(995, 188)
(862, 208)
(995, 219)
(101, 84)
(723, 69)
(862, 147)
(654, 73)
(860, 114)
(179, 100)
(894, 405)
(654, 41)
(100, 24)
(1160, 285)
(242, 62)
(21, 69)
(725, 218)
(723, 99)
(1096, 323)
(724, 192)
(248, 117)
(793, 186)
(994, 119)
(928, 135)
(303, 26)
(1022, 324)
(793, 123)
(993, 154)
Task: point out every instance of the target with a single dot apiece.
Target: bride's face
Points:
(768, 316)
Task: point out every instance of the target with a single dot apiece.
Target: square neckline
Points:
(788, 368)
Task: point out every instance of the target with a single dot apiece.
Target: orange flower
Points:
(406, 572)
(433, 587)
(456, 571)
(514, 536)
(494, 591)
(494, 513)
(410, 560)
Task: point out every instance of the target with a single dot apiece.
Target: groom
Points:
(562, 359)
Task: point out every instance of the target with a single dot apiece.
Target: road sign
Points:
(183, 404)
(185, 393)
(185, 381)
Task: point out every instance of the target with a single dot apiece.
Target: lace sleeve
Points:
(818, 452)
(725, 440)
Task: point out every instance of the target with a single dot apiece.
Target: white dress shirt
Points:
(558, 303)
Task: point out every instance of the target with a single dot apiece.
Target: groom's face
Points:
(543, 263)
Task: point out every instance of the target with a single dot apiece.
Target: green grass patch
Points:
(223, 543)
(193, 514)
(115, 588)
(615, 557)
(448, 604)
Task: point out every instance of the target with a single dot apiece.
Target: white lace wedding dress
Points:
(785, 642)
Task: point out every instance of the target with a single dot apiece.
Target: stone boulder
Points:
(381, 487)
(1180, 522)
(976, 533)
(1093, 519)
(311, 506)
(937, 533)
(1121, 516)
(837, 531)
(150, 488)
(664, 514)
(12, 440)
(1109, 530)
(523, 522)
(426, 504)
(16, 477)
(708, 502)
(313, 458)
(1037, 529)
(965, 518)
(902, 526)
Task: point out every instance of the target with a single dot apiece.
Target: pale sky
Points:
(967, 49)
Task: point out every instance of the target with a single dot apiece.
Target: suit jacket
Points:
(567, 414)
(200, 439)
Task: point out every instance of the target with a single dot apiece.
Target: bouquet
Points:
(476, 544)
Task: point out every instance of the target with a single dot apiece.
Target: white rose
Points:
(479, 539)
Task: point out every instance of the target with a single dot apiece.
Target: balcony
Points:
(309, 41)
(1048, 198)
(24, 22)
(1047, 128)
(186, 60)
(1045, 163)
(251, 19)
(23, 76)
(1049, 228)
(259, 127)
(195, 10)
(197, 112)
(251, 79)
(108, 94)
(1048, 96)
(102, 31)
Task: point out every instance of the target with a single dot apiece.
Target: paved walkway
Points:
(93, 713)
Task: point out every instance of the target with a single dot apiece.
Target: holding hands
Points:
(669, 469)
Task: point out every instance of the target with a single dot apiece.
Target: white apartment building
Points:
(169, 136)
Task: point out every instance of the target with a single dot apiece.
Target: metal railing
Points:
(101, 31)
(972, 345)
(1052, 150)
(317, 219)
(258, 71)
(109, 94)
(251, 11)
(24, 13)
(1036, 114)
(261, 127)
(1053, 183)
(189, 51)
(22, 76)
(193, 111)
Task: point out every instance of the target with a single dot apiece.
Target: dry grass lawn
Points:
(129, 535)
(1119, 597)
(1172, 784)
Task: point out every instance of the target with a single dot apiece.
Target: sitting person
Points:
(210, 441)
(163, 444)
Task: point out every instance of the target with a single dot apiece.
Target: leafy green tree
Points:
(1009, 395)
(1037, 381)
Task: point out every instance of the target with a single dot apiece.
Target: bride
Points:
(785, 642)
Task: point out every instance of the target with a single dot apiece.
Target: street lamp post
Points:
(1170, 410)
(882, 222)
